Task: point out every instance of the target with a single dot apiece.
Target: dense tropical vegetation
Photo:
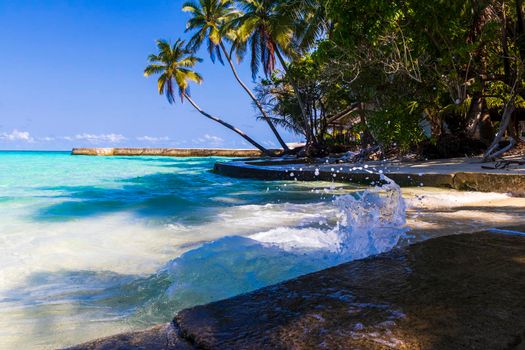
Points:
(439, 78)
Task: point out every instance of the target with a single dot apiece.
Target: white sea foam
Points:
(299, 239)
(368, 222)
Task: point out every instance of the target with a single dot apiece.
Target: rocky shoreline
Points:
(461, 291)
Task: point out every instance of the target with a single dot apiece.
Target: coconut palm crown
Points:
(174, 65)
(208, 18)
(266, 29)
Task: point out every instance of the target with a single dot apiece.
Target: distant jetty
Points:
(168, 152)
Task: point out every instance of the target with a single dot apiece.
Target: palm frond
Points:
(210, 19)
(265, 26)
(190, 6)
(153, 69)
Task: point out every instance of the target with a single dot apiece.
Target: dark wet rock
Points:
(455, 292)
(161, 337)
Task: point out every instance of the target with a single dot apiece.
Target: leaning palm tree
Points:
(208, 20)
(174, 66)
(266, 29)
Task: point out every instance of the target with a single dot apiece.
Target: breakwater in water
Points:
(169, 152)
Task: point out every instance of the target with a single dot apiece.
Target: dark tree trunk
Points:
(520, 29)
(474, 114)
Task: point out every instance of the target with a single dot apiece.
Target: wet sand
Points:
(434, 212)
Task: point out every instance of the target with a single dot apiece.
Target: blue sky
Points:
(71, 76)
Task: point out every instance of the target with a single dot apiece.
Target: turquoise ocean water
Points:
(91, 246)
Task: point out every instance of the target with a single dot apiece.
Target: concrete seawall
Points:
(169, 152)
(460, 174)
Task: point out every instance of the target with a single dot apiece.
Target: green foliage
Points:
(413, 58)
(265, 29)
(397, 127)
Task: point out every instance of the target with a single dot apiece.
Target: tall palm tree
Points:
(266, 28)
(208, 20)
(174, 66)
(311, 23)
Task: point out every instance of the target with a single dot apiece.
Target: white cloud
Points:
(47, 138)
(16, 135)
(209, 140)
(92, 138)
(153, 138)
(213, 138)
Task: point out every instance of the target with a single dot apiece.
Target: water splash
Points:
(367, 223)
(371, 221)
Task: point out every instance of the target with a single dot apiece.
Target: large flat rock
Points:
(455, 292)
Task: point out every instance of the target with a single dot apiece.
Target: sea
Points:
(93, 246)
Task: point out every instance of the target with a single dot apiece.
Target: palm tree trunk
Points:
(255, 100)
(310, 136)
(229, 126)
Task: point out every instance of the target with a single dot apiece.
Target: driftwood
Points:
(361, 156)
(492, 156)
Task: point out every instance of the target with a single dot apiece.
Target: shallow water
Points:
(91, 246)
